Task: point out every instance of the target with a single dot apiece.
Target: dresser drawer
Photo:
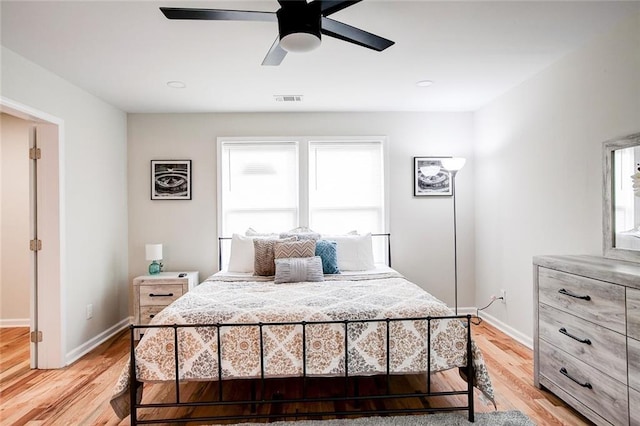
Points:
(148, 312)
(160, 294)
(634, 363)
(593, 300)
(597, 346)
(634, 407)
(605, 396)
(633, 313)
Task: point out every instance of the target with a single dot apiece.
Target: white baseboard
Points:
(508, 330)
(20, 322)
(466, 311)
(93, 343)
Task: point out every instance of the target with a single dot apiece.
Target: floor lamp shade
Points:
(153, 252)
(453, 164)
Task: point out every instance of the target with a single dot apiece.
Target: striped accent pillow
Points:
(298, 269)
(264, 255)
(302, 248)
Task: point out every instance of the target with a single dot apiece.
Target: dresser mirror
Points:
(621, 207)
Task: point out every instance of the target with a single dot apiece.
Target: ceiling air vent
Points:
(288, 98)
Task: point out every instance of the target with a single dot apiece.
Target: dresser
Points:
(587, 335)
(151, 293)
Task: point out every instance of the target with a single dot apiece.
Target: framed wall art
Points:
(170, 179)
(430, 178)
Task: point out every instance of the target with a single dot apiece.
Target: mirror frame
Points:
(608, 227)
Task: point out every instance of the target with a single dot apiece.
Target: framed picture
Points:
(170, 179)
(430, 178)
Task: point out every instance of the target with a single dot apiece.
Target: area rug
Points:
(496, 418)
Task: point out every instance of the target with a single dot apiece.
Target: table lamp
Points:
(154, 253)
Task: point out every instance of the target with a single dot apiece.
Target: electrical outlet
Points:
(89, 311)
(503, 295)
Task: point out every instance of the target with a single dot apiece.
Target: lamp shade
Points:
(153, 251)
(453, 164)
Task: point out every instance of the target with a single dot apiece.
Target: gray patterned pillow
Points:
(302, 248)
(298, 269)
(264, 255)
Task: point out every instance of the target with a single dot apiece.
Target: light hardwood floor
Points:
(79, 394)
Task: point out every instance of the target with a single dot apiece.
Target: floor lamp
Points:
(453, 165)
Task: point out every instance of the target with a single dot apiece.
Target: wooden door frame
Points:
(49, 317)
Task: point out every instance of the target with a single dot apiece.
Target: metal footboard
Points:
(255, 401)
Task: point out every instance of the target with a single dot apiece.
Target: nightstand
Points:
(152, 293)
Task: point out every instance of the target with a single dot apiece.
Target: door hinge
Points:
(36, 336)
(35, 154)
(35, 245)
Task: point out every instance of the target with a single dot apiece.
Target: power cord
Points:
(493, 299)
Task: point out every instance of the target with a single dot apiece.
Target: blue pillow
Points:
(327, 250)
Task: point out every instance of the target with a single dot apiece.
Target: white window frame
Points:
(303, 170)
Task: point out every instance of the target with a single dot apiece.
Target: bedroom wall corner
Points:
(539, 168)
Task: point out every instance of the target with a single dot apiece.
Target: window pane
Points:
(346, 186)
(259, 186)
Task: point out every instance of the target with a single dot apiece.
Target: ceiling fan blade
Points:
(354, 35)
(332, 6)
(284, 3)
(275, 55)
(217, 14)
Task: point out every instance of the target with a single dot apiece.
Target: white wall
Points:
(14, 222)
(538, 180)
(94, 195)
(421, 228)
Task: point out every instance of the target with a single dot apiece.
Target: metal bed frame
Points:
(263, 399)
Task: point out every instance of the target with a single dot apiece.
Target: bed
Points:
(236, 325)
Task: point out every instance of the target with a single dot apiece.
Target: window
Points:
(346, 186)
(330, 185)
(259, 186)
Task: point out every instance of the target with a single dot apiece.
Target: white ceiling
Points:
(126, 51)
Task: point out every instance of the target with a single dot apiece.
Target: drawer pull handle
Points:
(568, 293)
(566, 333)
(584, 385)
(151, 316)
(160, 295)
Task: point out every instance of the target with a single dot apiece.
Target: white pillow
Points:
(355, 252)
(242, 254)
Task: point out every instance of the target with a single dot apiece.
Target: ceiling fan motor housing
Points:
(299, 25)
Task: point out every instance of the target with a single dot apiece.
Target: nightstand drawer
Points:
(594, 389)
(159, 294)
(596, 301)
(597, 346)
(148, 312)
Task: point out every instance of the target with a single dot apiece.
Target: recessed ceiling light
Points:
(424, 83)
(176, 84)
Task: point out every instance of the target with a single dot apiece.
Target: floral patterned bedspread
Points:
(229, 300)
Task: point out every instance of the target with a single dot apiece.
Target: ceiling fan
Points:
(300, 25)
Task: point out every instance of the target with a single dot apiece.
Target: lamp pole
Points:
(455, 238)
(453, 165)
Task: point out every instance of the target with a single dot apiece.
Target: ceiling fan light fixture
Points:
(299, 42)
(299, 26)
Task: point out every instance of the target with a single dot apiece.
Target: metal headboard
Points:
(382, 235)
